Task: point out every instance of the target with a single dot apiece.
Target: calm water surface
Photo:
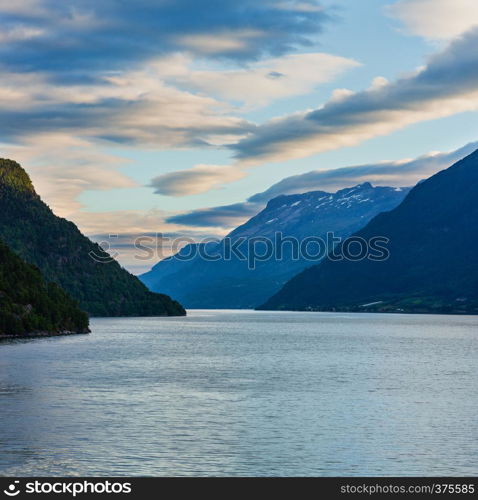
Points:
(244, 393)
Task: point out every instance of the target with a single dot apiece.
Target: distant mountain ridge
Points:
(31, 306)
(230, 283)
(301, 214)
(433, 263)
(62, 253)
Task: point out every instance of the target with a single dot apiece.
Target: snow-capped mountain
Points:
(317, 212)
(231, 283)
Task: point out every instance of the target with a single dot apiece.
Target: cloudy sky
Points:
(185, 116)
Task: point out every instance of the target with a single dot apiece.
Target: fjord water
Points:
(244, 393)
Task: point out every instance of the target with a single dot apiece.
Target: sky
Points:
(184, 117)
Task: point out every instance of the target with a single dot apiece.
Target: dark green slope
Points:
(62, 254)
(433, 263)
(29, 305)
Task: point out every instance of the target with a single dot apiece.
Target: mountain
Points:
(433, 261)
(233, 283)
(31, 306)
(63, 255)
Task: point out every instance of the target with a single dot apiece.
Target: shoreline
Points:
(42, 334)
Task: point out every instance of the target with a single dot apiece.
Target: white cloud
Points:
(196, 180)
(436, 19)
(447, 85)
(264, 81)
(20, 33)
(219, 43)
(134, 107)
(26, 7)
